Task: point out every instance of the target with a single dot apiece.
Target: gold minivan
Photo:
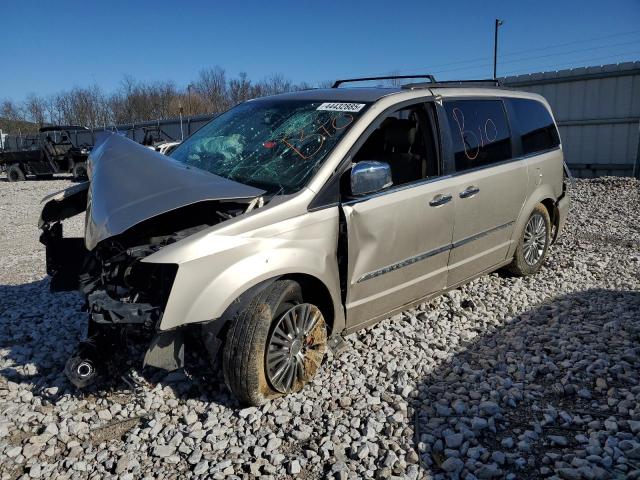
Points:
(292, 220)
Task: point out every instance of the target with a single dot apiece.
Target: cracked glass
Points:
(276, 145)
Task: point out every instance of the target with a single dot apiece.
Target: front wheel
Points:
(275, 345)
(533, 243)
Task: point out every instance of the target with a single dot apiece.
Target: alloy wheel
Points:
(296, 347)
(535, 239)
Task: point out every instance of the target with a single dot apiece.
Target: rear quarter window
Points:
(479, 131)
(535, 126)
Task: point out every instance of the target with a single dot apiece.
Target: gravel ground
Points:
(503, 378)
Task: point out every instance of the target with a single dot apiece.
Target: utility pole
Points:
(495, 47)
(189, 97)
(181, 129)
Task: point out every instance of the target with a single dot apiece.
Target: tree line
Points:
(212, 92)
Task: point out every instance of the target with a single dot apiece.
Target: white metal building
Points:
(598, 112)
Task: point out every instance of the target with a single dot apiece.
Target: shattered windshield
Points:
(276, 145)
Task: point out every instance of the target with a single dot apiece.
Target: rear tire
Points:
(79, 171)
(533, 243)
(15, 173)
(254, 350)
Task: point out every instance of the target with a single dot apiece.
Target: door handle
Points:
(440, 200)
(469, 191)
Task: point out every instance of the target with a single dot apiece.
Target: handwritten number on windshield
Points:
(487, 133)
(299, 142)
(341, 121)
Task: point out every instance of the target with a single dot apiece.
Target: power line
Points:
(488, 63)
(567, 65)
(511, 54)
(570, 52)
(593, 39)
(482, 63)
(487, 66)
(476, 66)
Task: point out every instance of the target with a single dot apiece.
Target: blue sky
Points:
(52, 46)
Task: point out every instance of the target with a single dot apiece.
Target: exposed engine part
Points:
(166, 351)
(85, 365)
(256, 202)
(81, 371)
(104, 309)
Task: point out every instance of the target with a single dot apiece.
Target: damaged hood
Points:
(131, 183)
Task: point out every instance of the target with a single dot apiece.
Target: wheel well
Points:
(316, 292)
(550, 205)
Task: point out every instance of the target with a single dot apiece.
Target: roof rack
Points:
(490, 82)
(337, 83)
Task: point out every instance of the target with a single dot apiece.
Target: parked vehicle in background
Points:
(167, 147)
(155, 136)
(292, 220)
(46, 153)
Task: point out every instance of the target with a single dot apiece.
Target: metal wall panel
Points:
(598, 112)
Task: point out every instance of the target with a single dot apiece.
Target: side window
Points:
(405, 140)
(479, 131)
(535, 125)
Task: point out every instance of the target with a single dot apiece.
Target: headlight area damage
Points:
(125, 296)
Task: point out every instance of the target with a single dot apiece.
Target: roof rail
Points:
(490, 82)
(337, 83)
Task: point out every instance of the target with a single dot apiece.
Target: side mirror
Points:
(370, 176)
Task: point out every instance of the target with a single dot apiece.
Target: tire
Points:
(533, 243)
(15, 173)
(79, 171)
(254, 353)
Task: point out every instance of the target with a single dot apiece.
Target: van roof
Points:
(357, 94)
(373, 94)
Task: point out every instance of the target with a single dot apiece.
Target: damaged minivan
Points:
(292, 220)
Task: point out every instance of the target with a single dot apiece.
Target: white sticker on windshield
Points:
(341, 107)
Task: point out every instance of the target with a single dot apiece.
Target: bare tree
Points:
(275, 84)
(10, 110)
(240, 89)
(212, 87)
(35, 107)
(134, 101)
(325, 83)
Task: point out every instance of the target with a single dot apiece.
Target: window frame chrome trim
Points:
(419, 183)
(346, 162)
(394, 189)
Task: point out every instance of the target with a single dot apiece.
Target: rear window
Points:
(479, 131)
(535, 126)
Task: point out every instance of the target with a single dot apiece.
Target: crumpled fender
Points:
(65, 257)
(215, 269)
(64, 204)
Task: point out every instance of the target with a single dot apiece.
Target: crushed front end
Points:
(125, 300)
(137, 203)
